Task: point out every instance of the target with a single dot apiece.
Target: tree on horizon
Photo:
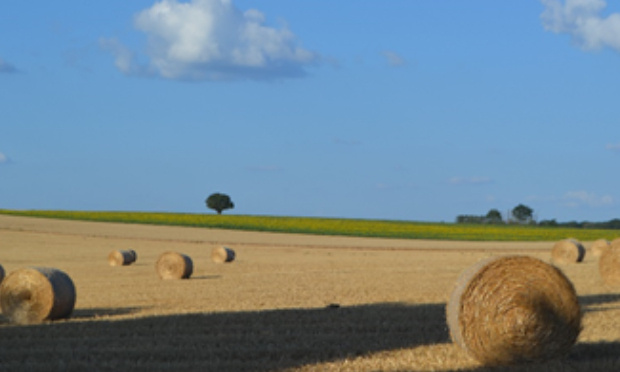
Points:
(219, 202)
(522, 213)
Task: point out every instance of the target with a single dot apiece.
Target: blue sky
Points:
(410, 110)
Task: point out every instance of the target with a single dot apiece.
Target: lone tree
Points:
(219, 202)
(522, 213)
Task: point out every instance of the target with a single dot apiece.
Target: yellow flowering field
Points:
(333, 226)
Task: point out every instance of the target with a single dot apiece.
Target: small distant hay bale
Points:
(599, 246)
(173, 265)
(122, 258)
(609, 265)
(222, 255)
(514, 309)
(568, 251)
(33, 295)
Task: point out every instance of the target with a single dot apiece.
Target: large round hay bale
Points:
(173, 265)
(567, 251)
(599, 246)
(121, 258)
(513, 309)
(222, 254)
(609, 265)
(32, 295)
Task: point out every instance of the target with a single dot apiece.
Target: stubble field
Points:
(287, 303)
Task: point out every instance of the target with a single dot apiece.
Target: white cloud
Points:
(123, 57)
(574, 199)
(613, 147)
(393, 59)
(470, 180)
(212, 40)
(6, 67)
(584, 198)
(582, 20)
(3, 158)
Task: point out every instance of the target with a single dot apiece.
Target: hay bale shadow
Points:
(251, 341)
(599, 299)
(590, 356)
(203, 277)
(586, 357)
(103, 312)
(591, 303)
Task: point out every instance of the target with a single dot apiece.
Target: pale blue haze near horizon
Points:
(407, 110)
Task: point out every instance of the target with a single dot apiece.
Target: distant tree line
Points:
(494, 217)
(522, 214)
(611, 224)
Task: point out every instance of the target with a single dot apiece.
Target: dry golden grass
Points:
(288, 303)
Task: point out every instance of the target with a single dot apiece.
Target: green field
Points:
(333, 226)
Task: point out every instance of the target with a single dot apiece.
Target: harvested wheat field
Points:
(288, 303)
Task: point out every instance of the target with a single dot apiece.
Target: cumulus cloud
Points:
(584, 198)
(6, 67)
(583, 21)
(393, 59)
(212, 40)
(470, 180)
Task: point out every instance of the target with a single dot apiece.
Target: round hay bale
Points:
(567, 251)
(121, 258)
(513, 309)
(173, 265)
(32, 295)
(609, 265)
(599, 246)
(222, 255)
